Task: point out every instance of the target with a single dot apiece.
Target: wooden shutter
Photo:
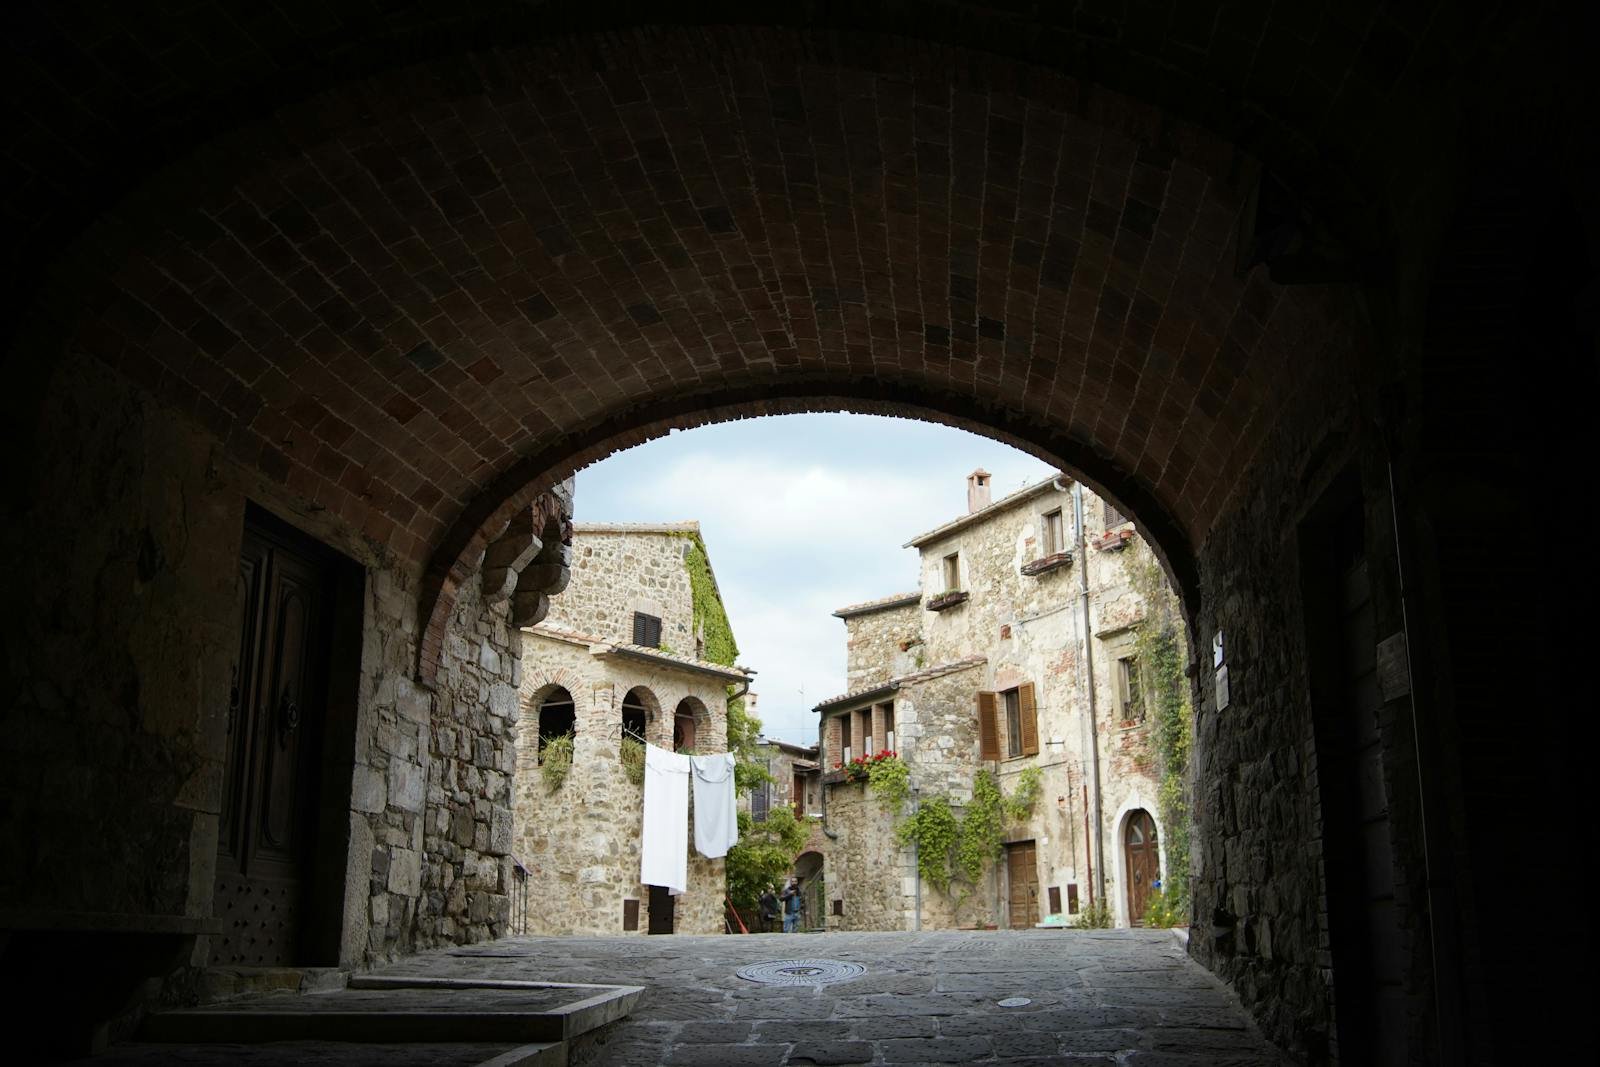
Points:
(988, 729)
(1027, 713)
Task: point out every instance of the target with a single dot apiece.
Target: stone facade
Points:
(580, 841)
(1020, 625)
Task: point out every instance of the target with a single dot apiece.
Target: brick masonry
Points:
(391, 291)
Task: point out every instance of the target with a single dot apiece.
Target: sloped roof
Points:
(1010, 500)
(600, 646)
(938, 670)
(883, 603)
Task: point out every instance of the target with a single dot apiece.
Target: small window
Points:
(1013, 723)
(1130, 689)
(952, 572)
(888, 727)
(1113, 517)
(1054, 533)
(646, 630)
(760, 802)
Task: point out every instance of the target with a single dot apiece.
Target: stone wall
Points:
(121, 687)
(581, 841)
(883, 643)
(618, 570)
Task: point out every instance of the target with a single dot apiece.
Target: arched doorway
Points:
(808, 868)
(1142, 860)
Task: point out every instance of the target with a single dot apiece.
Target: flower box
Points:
(1112, 540)
(1045, 564)
(945, 601)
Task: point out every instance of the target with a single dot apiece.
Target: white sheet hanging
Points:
(716, 813)
(664, 841)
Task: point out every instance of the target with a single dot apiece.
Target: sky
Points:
(801, 515)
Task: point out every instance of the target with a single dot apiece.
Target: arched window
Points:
(636, 708)
(558, 716)
(687, 719)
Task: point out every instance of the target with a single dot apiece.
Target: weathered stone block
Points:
(407, 786)
(405, 872)
(367, 792)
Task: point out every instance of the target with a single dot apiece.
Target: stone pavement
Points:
(1096, 997)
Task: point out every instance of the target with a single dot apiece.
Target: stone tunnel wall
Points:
(1260, 905)
(122, 643)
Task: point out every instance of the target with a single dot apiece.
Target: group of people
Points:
(791, 904)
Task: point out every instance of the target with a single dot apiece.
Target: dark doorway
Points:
(663, 906)
(1364, 929)
(1022, 879)
(1142, 853)
(280, 853)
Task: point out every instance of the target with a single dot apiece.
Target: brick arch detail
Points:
(543, 682)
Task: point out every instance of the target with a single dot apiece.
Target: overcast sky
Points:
(801, 515)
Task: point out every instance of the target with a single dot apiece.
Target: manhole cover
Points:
(1014, 1002)
(801, 972)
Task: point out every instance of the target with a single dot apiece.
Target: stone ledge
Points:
(945, 601)
(1046, 564)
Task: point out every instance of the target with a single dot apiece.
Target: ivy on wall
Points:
(1162, 650)
(710, 617)
(952, 851)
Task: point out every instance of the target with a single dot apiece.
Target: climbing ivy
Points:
(1162, 650)
(933, 828)
(956, 850)
(890, 780)
(710, 617)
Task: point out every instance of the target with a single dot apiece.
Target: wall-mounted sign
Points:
(1222, 688)
(1216, 649)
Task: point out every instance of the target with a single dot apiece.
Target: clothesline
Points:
(664, 835)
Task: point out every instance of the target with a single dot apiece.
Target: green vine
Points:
(890, 780)
(1162, 649)
(710, 617)
(956, 850)
(933, 828)
(555, 761)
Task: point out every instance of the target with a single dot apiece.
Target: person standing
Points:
(769, 909)
(791, 907)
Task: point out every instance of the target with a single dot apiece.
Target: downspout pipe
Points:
(1099, 875)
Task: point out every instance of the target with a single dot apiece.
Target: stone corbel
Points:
(532, 560)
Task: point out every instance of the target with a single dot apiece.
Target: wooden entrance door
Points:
(663, 905)
(1022, 878)
(275, 720)
(1143, 855)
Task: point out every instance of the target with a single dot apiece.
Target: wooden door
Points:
(799, 795)
(663, 906)
(1022, 878)
(1143, 855)
(275, 719)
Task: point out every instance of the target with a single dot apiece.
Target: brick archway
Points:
(416, 300)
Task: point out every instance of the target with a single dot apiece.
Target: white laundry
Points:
(664, 843)
(716, 814)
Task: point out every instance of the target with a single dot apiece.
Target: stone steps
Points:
(468, 1021)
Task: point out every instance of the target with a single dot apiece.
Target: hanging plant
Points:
(631, 752)
(555, 761)
(890, 779)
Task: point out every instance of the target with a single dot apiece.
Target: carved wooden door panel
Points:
(1143, 863)
(1022, 878)
(274, 723)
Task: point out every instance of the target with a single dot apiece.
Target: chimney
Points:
(977, 490)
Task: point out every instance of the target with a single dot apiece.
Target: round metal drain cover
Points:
(801, 972)
(1014, 1002)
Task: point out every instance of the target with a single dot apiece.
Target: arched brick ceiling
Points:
(410, 296)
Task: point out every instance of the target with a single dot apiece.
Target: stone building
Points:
(620, 660)
(1016, 653)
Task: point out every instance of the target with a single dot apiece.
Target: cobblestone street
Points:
(1127, 997)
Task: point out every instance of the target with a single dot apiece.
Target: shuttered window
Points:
(988, 727)
(1013, 723)
(1028, 714)
(1054, 533)
(646, 630)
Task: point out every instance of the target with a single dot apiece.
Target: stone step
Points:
(402, 1010)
